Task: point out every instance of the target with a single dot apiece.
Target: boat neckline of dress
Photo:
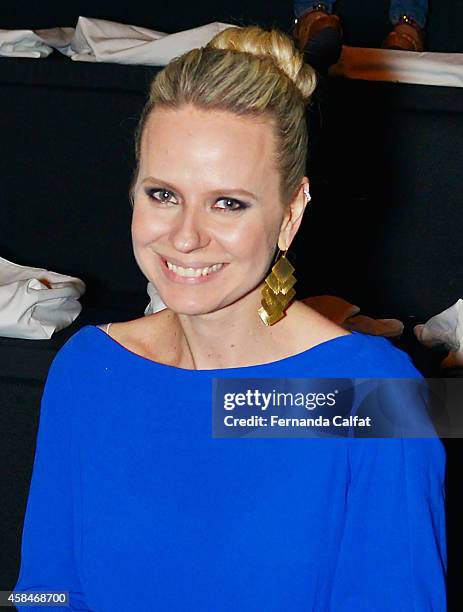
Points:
(320, 346)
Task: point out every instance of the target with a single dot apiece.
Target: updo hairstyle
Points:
(247, 71)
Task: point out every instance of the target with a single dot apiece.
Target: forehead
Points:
(195, 142)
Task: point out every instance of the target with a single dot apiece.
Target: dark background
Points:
(365, 21)
(383, 230)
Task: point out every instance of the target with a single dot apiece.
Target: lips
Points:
(193, 272)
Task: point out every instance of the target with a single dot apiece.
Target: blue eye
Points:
(235, 205)
(151, 194)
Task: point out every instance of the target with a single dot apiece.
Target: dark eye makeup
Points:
(151, 194)
(236, 205)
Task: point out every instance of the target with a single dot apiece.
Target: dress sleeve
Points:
(393, 552)
(48, 560)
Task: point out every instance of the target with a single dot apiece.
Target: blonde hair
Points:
(247, 71)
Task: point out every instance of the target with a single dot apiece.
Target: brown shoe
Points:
(405, 37)
(311, 23)
(319, 35)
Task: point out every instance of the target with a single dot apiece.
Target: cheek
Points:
(248, 240)
(144, 227)
(138, 224)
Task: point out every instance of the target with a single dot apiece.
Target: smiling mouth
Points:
(193, 272)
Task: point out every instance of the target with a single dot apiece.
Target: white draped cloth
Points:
(100, 40)
(445, 329)
(34, 302)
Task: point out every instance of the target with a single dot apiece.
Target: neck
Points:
(233, 336)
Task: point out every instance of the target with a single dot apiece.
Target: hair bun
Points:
(274, 44)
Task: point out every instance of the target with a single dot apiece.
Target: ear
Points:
(293, 215)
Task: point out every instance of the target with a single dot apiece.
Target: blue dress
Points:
(134, 505)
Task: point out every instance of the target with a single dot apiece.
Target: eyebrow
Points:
(152, 179)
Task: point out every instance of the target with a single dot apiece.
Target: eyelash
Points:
(150, 193)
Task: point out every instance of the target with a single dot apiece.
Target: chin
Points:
(183, 306)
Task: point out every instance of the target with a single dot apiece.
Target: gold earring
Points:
(278, 291)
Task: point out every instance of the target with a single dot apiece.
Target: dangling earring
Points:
(278, 291)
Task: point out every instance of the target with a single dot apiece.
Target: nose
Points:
(189, 232)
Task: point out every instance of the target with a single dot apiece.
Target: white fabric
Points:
(155, 304)
(99, 40)
(56, 38)
(22, 43)
(445, 328)
(34, 302)
(427, 68)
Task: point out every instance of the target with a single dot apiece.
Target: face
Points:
(207, 216)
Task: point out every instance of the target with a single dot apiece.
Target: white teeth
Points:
(193, 271)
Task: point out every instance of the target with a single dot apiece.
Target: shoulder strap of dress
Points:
(102, 327)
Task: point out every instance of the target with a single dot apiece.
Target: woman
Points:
(133, 504)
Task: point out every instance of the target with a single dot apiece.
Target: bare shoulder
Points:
(310, 327)
(147, 336)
